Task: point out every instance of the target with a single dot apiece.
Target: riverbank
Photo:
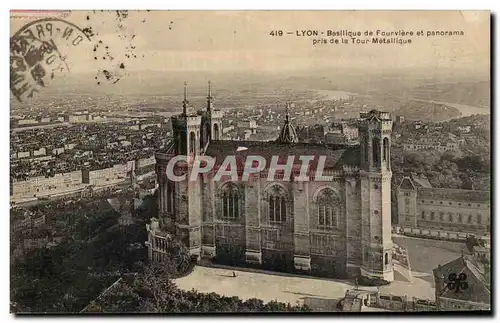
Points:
(465, 110)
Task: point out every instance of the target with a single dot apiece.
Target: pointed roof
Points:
(456, 195)
(185, 102)
(209, 97)
(477, 289)
(407, 184)
(421, 180)
(288, 133)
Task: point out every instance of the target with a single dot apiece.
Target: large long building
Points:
(422, 206)
(337, 227)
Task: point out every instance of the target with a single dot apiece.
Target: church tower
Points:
(186, 128)
(206, 121)
(375, 171)
(215, 116)
(185, 198)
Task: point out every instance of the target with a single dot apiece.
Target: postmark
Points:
(38, 54)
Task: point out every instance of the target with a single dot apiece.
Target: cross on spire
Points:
(209, 96)
(185, 102)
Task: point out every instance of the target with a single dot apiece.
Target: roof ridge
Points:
(453, 189)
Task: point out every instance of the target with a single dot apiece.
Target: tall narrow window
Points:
(230, 205)
(479, 220)
(386, 149)
(321, 215)
(282, 210)
(272, 209)
(376, 151)
(328, 216)
(206, 134)
(277, 209)
(386, 258)
(192, 143)
(367, 149)
(216, 131)
(170, 197)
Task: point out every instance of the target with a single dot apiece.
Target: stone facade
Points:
(336, 227)
(443, 209)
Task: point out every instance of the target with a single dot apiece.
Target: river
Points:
(465, 110)
(335, 95)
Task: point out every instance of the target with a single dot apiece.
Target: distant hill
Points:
(469, 93)
(240, 88)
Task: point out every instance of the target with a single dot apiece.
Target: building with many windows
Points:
(425, 207)
(340, 226)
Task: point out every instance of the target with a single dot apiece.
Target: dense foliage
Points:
(444, 170)
(66, 277)
(366, 281)
(468, 168)
(152, 290)
(102, 267)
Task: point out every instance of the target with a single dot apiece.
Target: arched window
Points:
(469, 218)
(376, 151)
(216, 131)
(459, 218)
(386, 261)
(230, 197)
(328, 205)
(432, 216)
(192, 142)
(386, 149)
(277, 204)
(479, 219)
(450, 217)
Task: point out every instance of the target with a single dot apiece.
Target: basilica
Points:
(340, 227)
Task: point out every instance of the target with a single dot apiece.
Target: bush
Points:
(367, 281)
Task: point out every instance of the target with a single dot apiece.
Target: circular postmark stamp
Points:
(38, 54)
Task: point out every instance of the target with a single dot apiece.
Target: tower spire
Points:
(209, 97)
(185, 102)
(287, 133)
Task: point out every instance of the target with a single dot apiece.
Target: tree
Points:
(152, 290)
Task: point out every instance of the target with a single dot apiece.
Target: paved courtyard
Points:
(263, 285)
(424, 254)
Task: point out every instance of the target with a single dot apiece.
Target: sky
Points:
(226, 41)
